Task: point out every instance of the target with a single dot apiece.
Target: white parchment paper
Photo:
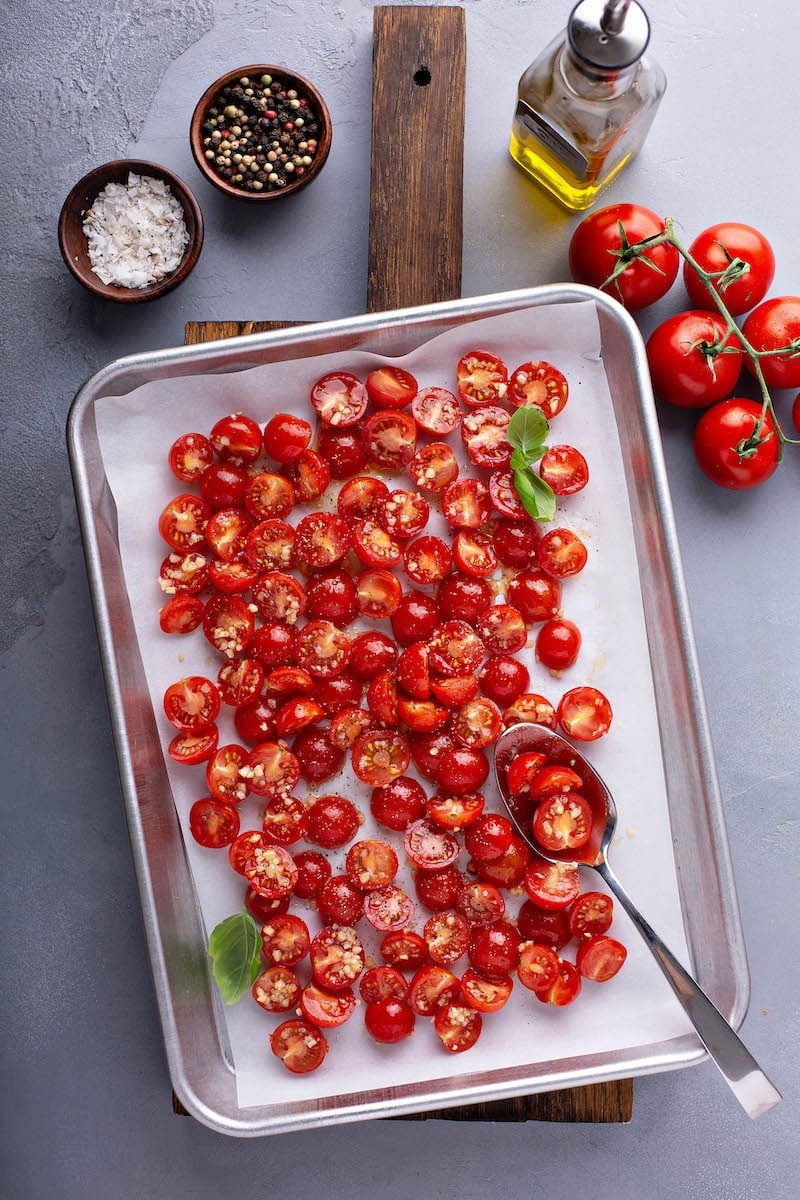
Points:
(636, 1008)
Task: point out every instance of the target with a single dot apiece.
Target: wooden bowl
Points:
(74, 246)
(315, 103)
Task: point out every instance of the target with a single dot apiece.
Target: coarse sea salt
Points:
(136, 232)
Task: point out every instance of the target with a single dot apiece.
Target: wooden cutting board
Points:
(415, 242)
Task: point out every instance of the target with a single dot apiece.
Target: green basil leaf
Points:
(235, 950)
(537, 497)
(518, 461)
(527, 431)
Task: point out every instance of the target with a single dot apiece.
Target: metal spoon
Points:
(741, 1072)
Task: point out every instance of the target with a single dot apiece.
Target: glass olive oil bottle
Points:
(585, 106)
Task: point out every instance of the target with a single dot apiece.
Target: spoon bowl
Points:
(741, 1072)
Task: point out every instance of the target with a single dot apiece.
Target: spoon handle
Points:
(740, 1070)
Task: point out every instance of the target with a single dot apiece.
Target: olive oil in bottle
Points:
(585, 106)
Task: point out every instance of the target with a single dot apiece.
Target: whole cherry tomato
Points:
(723, 449)
(597, 248)
(714, 250)
(692, 363)
(774, 325)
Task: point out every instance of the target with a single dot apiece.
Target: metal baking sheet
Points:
(199, 1061)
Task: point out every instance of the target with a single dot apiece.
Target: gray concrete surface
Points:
(84, 1102)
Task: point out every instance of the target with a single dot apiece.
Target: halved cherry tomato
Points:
(331, 596)
(321, 649)
(193, 748)
(285, 940)
(404, 949)
(183, 522)
(374, 546)
(433, 467)
(228, 624)
(277, 989)
(382, 699)
(474, 553)
(404, 514)
(427, 560)
(447, 938)
(530, 706)
(522, 770)
(309, 475)
(507, 871)
(271, 770)
(285, 820)
(436, 411)
(279, 597)
(485, 995)
(333, 821)
(321, 540)
(547, 927)
(455, 812)
(361, 499)
(255, 722)
(192, 704)
(213, 823)
(223, 773)
(415, 618)
(237, 439)
(391, 387)
(563, 822)
(397, 803)
(325, 1008)
(379, 756)
(584, 714)
(553, 778)
(429, 846)
(558, 643)
(438, 889)
(413, 671)
(240, 681)
(432, 988)
(286, 437)
(390, 438)
(565, 469)
(502, 629)
(458, 1027)
(503, 678)
(561, 553)
(455, 690)
(466, 503)
(268, 495)
(299, 1045)
(455, 648)
(388, 908)
(271, 871)
(382, 983)
(233, 578)
(516, 542)
(183, 573)
(337, 957)
(538, 966)
(339, 398)
(504, 495)
(343, 450)
(564, 989)
(591, 914)
(347, 725)
(539, 383)
(477, 723)
(371, 864)
(535, 594)
(552, 885)
(600, 958)
(482, 378)
(269, 545)
(181, 614)
(389, 1021)
(189, 455)
(494, 948)
(483, 432)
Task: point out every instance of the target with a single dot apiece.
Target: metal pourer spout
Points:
(613, 17)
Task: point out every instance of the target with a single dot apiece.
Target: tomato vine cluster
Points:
(419, 694)
(696, 357)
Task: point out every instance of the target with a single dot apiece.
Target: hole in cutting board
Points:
(422, 77)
